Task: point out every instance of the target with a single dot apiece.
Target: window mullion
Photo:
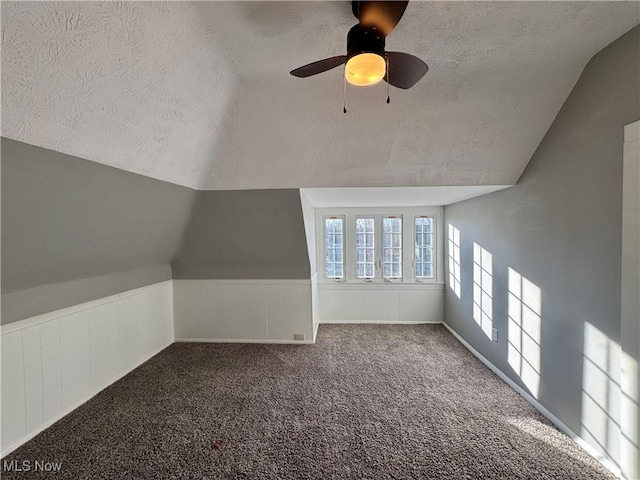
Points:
(379, 250)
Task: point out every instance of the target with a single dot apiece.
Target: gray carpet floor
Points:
(365, 402)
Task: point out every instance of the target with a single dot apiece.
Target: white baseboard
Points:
(375, 322)
(533, 401)
(244, 340)
(67, 411)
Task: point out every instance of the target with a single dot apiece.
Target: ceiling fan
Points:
(367, 61)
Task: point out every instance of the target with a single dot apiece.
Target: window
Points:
(483, 289)
(334, 247)
(377, 245)
(392, 247)
(365, 248)
(423, 247)
(374, 250)
(454, 259)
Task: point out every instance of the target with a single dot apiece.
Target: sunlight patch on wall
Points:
(610, 400)
(524, 330)
(601, 393)
(454, 259)
(483, 288)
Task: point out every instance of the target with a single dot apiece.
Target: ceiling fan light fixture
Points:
(365, 69)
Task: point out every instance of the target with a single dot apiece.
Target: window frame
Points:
(382, 247)
(378, 246)
(377, 239)
(407, 214)
(434, 248)
(324, 248)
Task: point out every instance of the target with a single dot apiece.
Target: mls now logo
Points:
(28, 466)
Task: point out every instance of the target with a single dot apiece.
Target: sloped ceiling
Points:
(199, 94)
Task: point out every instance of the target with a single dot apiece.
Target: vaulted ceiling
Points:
(199, 93)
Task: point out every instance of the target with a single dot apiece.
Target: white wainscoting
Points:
(53, 363)
(247, 311)
(381, 303)
(315, 305)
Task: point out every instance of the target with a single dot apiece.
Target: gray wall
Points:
(238, 234)
(75, 230)
(66, 219)
(560, 227)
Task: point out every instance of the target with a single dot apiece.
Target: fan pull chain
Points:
(344, 109)
(388, 98)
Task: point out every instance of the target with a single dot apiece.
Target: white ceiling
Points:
(199, 94)
(395, 196)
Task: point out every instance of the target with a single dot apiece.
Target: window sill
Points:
(380, 285)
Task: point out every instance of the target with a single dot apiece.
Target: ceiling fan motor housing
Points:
(367, 62)
(360, 40)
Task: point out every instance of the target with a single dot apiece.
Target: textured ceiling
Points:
(199, 93)
(395, 196)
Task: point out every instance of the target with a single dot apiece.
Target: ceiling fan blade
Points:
(319, 66)
(404, 70)
(382, 15)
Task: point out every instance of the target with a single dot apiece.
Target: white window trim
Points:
(434, 246)
(378, 248)
(408, 214)
(403, 233)
(377, 237)
(322, 263)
